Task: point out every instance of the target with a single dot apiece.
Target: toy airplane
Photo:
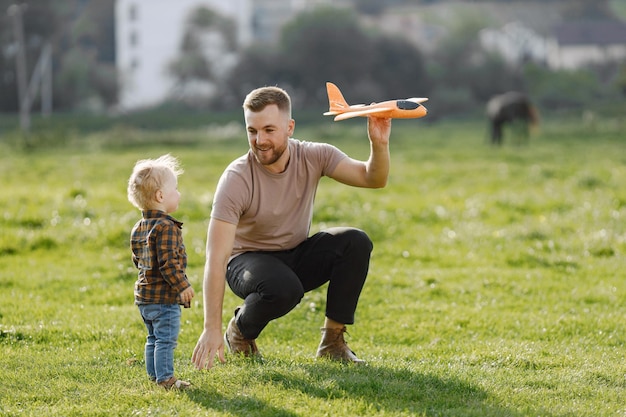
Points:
(409, 108)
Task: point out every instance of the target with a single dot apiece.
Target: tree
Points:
(399, 68)
(464, 75)
(329, 44)
(326, 44)
(207, 54)
(38, 28)
(256, 67)
(620, 80)
(82, 38)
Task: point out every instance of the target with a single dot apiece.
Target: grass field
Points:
(497, 285)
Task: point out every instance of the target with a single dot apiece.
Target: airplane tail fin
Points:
(336, 103)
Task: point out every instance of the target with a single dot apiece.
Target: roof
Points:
(596, 32)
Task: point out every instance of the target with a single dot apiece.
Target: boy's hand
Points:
(186, 296)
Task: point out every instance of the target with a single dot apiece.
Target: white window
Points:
(133, 38)
(133, 13)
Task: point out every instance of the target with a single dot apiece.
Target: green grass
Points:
(496, 288)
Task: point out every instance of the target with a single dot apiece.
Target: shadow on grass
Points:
(380, 390)
(238, 405)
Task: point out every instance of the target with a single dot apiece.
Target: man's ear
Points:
(291, 127)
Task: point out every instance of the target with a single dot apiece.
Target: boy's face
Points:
(171, 196)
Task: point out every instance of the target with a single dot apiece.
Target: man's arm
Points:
(372, 173)
(220, 240)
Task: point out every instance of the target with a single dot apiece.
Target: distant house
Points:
(570, 45)
(515, 43)
(577, 44)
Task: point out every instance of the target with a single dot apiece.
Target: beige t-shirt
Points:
(273, 211)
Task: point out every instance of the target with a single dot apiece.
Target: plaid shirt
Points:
(156, 242)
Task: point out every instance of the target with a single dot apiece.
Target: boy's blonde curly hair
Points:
(148, 177)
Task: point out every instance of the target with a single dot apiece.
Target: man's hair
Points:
(262, 97)
(148, 176)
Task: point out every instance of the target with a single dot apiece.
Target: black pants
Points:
(272, 283)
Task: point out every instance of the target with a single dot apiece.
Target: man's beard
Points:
(269, 156)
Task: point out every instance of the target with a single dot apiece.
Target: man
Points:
(258, 233)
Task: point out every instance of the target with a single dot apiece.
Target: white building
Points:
(149, 35)
(578, 44)
(569, 46)
(515, 43)
(148, 38)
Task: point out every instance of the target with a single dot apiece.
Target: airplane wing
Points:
(350, 114)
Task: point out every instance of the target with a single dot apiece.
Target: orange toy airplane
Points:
(409, 108)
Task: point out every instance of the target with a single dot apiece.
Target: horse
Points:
(513, 108)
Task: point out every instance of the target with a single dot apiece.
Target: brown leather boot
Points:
(334, 347)
(237, 343)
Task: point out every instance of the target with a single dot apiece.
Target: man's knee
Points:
(286, 294)
(290, 299)
(360, 240)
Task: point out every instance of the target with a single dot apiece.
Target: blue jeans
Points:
(163, 324)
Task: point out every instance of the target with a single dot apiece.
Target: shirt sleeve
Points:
(172, 257)
(134, 247)
(327, 156)
(232, 197)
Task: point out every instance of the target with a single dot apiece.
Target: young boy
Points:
(159, 253)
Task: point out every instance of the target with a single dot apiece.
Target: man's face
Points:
(269, 131)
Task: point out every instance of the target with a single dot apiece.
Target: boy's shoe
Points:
(237, 343)
(174, 383)
(334, 347)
